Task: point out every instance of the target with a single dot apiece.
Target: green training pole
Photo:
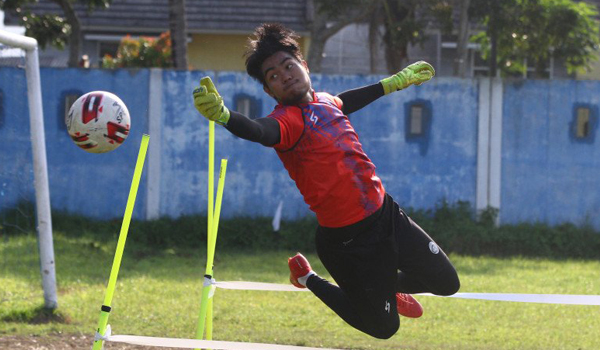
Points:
(112, 281)
(211, 244)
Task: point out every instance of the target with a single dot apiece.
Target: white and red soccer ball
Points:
(98, 122)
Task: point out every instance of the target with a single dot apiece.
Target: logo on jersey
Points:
(387, 306)
(313, 118)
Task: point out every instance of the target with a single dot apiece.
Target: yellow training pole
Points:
(209, 230)
(209, 317)
(211, 188)
(112, 281)
(213, 242)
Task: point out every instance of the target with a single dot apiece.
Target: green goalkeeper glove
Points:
(417, 73)
(209, 103)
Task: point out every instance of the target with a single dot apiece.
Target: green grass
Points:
(158, 295)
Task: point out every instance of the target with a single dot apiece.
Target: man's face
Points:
(286, 79)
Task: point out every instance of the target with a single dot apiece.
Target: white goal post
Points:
(40, 169)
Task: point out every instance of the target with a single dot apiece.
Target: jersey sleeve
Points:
(291, 126)
(330, 99)
(337, 101)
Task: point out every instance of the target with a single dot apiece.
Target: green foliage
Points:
(404, 21)
(18, 220)
(48, 28)
(536, 30)
(144, 52)
(456, 227)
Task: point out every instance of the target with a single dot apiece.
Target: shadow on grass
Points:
(38, 315)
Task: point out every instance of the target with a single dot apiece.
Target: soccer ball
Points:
(98, 122)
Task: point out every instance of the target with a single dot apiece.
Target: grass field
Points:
(158, 295)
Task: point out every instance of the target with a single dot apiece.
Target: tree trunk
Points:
(178, 27)
(462, 50)
(396, 58)
(374, 23)
(75, 37)
(317, 44)
(396, 46)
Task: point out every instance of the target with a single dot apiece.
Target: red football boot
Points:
(408, 306)
(299, 267)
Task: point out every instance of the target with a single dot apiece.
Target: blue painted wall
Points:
(256, 180)
(547, 175)
(94, 185)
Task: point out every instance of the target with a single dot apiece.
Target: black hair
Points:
(270, 38)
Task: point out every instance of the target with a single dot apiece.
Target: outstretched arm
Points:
(262, 130)
(210, 104)
(355, 99)
(416, 73)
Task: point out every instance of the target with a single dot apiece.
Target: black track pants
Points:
(372, 260)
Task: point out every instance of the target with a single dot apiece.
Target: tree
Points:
(178, 26)
(522, 32)
(329, 17)
(54, 29)
(462, 50)
(404, 22)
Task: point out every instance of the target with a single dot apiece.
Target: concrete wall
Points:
(548, 174)
(94, 185)
(256, 181)
(533, 169)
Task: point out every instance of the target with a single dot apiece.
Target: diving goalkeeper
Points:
(375, 253)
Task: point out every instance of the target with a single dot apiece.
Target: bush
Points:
(458, 229)
(455, 227)
(144, 52)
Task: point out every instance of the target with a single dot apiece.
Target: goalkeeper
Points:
(375, 253)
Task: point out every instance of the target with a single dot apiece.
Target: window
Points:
(247, 105)
(584, 123)
(67, 100)
(417, 125)
(243, 105)
(582, 126)
(416, 120)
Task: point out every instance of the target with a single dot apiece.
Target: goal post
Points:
(40, 168)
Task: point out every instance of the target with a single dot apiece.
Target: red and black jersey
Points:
(322, 153)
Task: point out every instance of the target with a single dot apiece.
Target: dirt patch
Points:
(62, 342)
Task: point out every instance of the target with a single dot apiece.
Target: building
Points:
(218, 30)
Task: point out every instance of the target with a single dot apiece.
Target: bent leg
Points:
(365, 272)
(424, 267)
